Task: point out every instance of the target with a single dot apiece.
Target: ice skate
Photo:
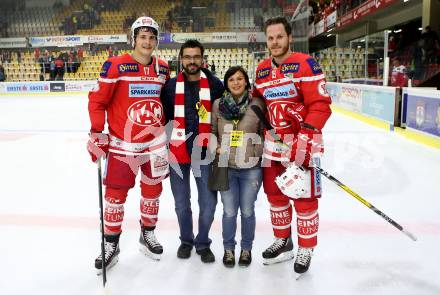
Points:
(281, 250)
(303, 260)
(149, 244)
(111, 246)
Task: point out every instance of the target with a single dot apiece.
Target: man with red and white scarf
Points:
(128, 98)
(187, 101)
(293, 87)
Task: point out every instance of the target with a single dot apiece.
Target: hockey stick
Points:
(101, 217)
(267, 125)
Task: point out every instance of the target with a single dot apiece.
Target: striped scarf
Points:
(232, 110)
(178, 146)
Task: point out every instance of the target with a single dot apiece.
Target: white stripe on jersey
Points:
(312, 78)
(137, 148)
(274, 82)
(295, 80)
(159, 79)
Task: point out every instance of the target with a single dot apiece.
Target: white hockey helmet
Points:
(294, 182)
(144, 21)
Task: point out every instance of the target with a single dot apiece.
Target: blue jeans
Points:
(244, 185)
(207, 200)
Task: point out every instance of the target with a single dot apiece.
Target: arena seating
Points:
(29, 69)
(32, 22)
(222, 58)
(25, 70)
(244, 18)
(48, 22)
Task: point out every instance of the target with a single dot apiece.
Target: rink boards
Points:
(411, 112)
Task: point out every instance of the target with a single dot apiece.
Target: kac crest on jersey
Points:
(277, 111)
(146, 112)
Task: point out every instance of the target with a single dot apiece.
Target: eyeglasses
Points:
(194, 58)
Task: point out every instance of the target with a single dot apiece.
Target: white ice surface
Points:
(49, 226)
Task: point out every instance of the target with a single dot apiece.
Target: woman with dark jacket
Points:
(240, 139)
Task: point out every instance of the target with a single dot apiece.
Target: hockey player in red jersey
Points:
(293, 87)
(399, 77)
(128, 93)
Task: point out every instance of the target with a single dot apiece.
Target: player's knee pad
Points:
(116, 195)
(279, 200)
(305, 205)
(151, 191)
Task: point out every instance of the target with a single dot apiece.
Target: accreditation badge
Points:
(236, 138)
(202, 112)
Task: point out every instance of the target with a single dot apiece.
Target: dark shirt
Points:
(2, 74)
(430, 39)
(191, 98)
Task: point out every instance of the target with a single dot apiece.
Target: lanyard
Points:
(235, 124)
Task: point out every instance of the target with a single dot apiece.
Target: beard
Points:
(283, 50)
(193, 70)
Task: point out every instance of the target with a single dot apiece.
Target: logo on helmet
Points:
(147, 21)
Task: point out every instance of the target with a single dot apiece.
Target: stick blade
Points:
(107, 290)
(410, 235)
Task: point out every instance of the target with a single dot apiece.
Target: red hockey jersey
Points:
(399, 77)
(299, 79)
(129, 93)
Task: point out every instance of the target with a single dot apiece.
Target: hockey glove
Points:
(97, 146)
(307, 144)
(296, 115)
